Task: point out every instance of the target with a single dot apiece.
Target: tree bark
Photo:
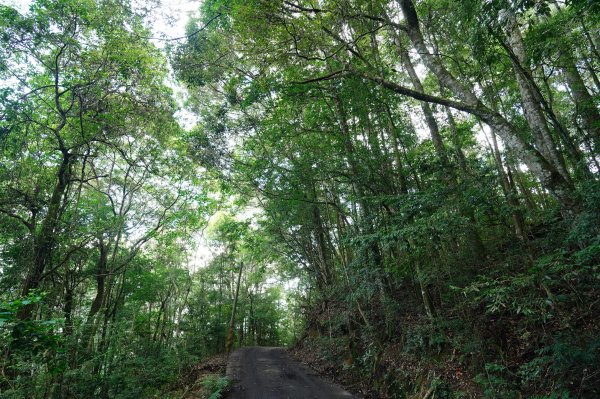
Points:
(391, 128)
(45, 240)
(584, 103)
(432, 125)
(322, 249)
(510, 195)
(229, 340)
(101, 271)
(560, 187)
(440, 150)
(531, 106)
(460, 156)
(373, 252)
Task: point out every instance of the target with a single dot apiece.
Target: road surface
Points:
(268, 373)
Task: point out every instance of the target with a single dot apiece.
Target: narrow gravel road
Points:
(267, 373)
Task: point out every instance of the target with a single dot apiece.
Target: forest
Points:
(406, 193)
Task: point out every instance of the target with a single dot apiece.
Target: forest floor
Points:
(330, 360)
(310, 354)
(201, 380)
(268, 372)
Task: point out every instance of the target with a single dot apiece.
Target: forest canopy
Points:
(405, 190)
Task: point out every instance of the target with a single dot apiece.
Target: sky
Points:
(171, 15)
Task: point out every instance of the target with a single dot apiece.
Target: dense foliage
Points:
(99, 208)
(430, 168)
(406, 189)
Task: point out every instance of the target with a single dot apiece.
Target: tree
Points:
(403, 153)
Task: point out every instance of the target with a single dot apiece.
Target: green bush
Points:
(215, 385)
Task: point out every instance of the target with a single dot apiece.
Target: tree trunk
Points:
(440, 150)
(229, 341)
(531, 106)
(432, 125)
(372, 249)
(584, 103)
(560, 187)
(510, 195)
(460, 156)
(323, 252)
(391, 130)
(101, 271)
(45, 240)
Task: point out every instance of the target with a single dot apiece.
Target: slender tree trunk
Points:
(592, 72)
(531, 106)
(432, 125)
(510, 195)
(101, 272)
(391, 128)
(460, 156)
(584, 103)
(550, 177)
(373, 252)
(518, 179)
(592, 38)
(68, 308)
(229, 341)
(45, 240)
(161, 312)
(440, 150)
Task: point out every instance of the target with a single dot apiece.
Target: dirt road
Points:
(267, 373)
